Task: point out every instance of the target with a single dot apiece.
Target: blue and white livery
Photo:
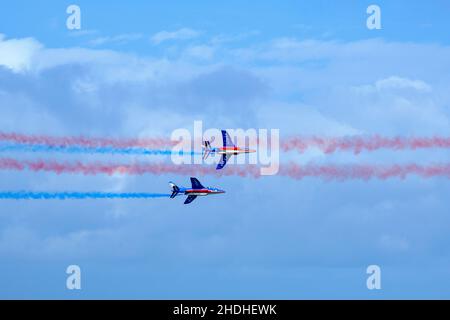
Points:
(226, 151)
(197, 190)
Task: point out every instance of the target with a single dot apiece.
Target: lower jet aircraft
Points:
(197, 190)
(226, 151)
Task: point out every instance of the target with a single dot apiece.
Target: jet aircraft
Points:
(226, 151)
(196, 190)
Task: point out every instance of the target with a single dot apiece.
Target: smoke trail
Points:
(365, 172)
(28, 195)
(95, 168)
(85, 141)
(357, 144)
(294, 171)
(92, 150)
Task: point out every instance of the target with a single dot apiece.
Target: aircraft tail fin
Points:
(175, 189)
(206, 149)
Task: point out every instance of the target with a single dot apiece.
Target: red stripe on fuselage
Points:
(198, 191)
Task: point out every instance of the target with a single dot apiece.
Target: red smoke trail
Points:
(295, 171)
(85, 141)
(365, 172)
(357, 144)
(132, 169)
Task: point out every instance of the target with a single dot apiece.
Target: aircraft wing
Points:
(189, 199)
(196, 184)
(223, 161)
(227, 142)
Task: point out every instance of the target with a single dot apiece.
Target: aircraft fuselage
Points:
(232, 150)
(200, 192)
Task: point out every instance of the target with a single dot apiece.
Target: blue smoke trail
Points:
(28, 195)
(79, 149)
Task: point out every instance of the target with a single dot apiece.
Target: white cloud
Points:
(394, 84)
(118, 39)
(226, 38)
(181, 34)
(203, 52)
(392, 106)
(105, 92)
(17, 54)
(295, 118)
(394, 243)
(335, 82)
(82, 32)
(402, 83)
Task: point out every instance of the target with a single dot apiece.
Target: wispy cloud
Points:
(180, 34)
(203, 52)
(82, 33)
(118, 39)
(396, 82)
(226, 38)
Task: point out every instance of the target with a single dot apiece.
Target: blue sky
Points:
(139, 69)
(403, 20)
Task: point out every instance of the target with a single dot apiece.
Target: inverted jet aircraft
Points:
(197, 190)
(226, 151)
